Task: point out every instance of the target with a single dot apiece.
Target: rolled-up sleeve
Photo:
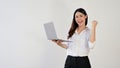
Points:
(91, 45)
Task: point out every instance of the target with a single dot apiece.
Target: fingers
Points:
(94, 23)
(57, 41)
(54, 40)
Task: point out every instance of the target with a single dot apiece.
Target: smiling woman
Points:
(82, 40)
(23, 42)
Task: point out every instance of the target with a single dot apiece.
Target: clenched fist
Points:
(94, 23)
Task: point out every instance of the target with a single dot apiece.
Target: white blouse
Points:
(80, 45)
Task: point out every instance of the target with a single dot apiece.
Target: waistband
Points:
(77, 56)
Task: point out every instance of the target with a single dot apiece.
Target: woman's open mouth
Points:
(80, 22)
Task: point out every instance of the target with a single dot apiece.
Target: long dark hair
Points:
(74, 25)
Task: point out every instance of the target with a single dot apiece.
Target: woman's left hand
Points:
(94, 23)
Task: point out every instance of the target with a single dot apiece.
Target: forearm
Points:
(93, 35)
(63, 45)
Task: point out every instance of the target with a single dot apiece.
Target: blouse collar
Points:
(82, 30)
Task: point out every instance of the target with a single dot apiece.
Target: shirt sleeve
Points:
(90, 44)
(68, 43)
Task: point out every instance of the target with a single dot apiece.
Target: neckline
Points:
(86, 28)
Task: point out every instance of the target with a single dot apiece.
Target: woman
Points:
(82, 40)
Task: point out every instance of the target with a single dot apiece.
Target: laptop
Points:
(51, 33)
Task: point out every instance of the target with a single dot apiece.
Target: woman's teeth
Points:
(80, 22)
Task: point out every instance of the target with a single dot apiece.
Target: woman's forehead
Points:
(79, 13)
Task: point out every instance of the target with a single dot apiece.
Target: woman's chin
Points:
(80, 24)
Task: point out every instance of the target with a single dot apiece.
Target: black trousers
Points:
(77, 62)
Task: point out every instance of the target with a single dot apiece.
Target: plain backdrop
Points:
(23, 42)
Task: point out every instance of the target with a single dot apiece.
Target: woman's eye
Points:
(80, 15)
(76, 16)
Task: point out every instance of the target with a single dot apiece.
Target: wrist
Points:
(93, 27)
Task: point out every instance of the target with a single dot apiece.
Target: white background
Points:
(23, 43)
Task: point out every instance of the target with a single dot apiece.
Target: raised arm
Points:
(93, 32)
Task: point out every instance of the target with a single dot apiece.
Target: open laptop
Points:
(51, 33)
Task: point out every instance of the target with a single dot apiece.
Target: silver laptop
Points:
(51, 33)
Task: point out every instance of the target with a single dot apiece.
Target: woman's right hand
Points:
(58, 42)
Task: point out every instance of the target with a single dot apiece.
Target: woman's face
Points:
(80, 18)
